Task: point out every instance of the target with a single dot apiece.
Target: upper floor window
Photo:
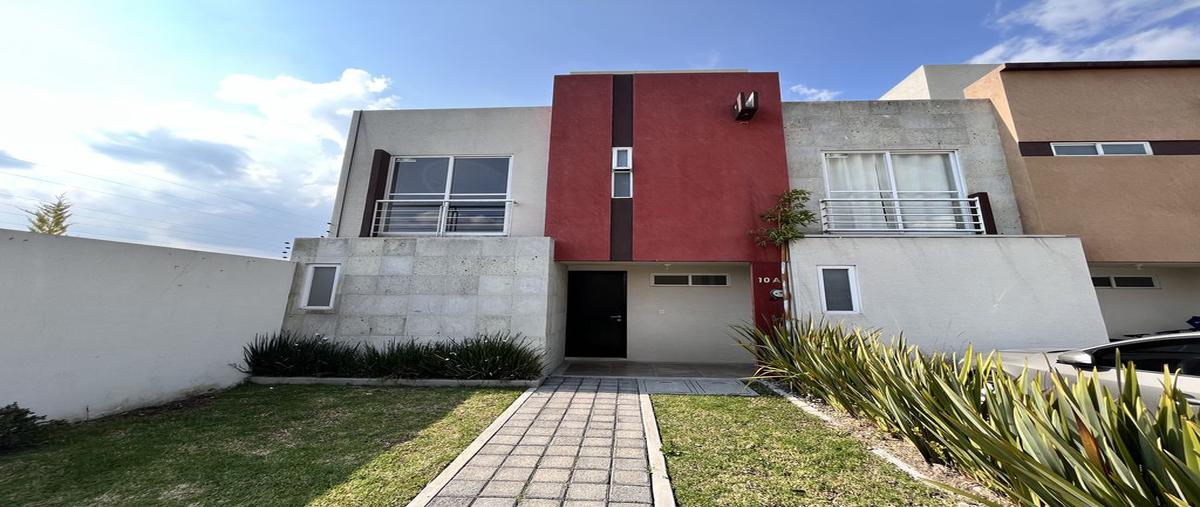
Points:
(622, 172)
(446, 195)
(1100, 149)
(894, 191)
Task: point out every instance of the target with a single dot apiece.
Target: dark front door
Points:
(596, 314)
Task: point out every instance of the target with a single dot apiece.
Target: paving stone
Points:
(449, 501)
(529, 450)
(590, 476)
(496, 449)
(585, 503)
(577, 491)
(629, 464)
(561, 450)
(475, 473)
(620, 493)
(458, 487)
(637, 443)
(506, 489)
(551, 475)
(494, 502)
(631, 477)
(534, 440)
(599, 452)
(521, 461)
(538, 502)
(557, 462)
(631, 452)
(512, 474)
(545, 490)
(486, 460)
(594, 463)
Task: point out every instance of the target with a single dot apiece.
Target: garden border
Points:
(351, 381)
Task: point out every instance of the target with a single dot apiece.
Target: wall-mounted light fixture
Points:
(745, 106)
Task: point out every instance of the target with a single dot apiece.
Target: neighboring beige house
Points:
(1108, 152)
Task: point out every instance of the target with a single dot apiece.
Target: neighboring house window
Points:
(1125, 282)
(689, 280)
(1100, 149)
(839, 289)
(446, 195)
(622, 172)
(884, 191)
(320, 286)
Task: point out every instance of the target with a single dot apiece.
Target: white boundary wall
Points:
(943, 293)
(91, 327)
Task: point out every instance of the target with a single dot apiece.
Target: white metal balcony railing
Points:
(437, 217)
(915, 215)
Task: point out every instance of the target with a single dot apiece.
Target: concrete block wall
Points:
(431, 289)
(965, 126)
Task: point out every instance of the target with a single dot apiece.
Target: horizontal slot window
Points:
(1100, 149)
(1124, 282)
(689, 280)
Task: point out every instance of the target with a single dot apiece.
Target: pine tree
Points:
(50, 217)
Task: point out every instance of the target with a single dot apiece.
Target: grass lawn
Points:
(258, 445)
(737, 450)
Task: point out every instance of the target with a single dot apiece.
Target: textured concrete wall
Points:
(944, 293)
(96, 327)
(1164, 308)
(430, 289)
(684, 324)
(966, 126)
(521, 132)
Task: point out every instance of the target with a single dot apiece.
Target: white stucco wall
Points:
(684, 324)
(96, 327)
(520, 132)
(943, 293)
(1164, 308)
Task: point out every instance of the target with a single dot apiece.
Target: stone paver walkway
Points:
(572, 442)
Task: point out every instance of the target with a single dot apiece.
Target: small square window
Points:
(320, 283)
(1069, 150)
(622, 159)
(1101, 281)
(839, 289)
(670, 280)
(622, 184)
(1124, 148)
(1134, 282)
(710, 280)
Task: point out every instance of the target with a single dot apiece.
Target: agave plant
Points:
(1038, 440)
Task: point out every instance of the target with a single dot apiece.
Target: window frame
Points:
(689, 277)
(959, 183)
(1099, 145)
(445, 195)
(1112, 282)
(309, 270)
(628, 159)
(613, 185)
(855, 296)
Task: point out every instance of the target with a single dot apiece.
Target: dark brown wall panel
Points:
(621, 236)
(380, 163)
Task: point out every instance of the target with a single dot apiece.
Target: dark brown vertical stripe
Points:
(985, 210)
(620, 241)
(376, 187)
(622, 112)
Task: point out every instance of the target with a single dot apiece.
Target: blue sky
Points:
(219, 125)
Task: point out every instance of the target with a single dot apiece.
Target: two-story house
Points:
(616, 224)
(1108, 152)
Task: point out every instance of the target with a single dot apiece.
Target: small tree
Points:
(50, 217)
(785, 222)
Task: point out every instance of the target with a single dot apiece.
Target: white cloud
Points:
(814, 94)
(1050, 30)
(290, 130)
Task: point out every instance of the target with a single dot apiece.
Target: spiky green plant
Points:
(1036, 439)
(495, 356)
(50, 217)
